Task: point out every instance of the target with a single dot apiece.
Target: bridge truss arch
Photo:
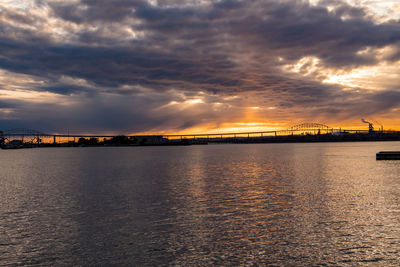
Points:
(309, 126)
(23, 135)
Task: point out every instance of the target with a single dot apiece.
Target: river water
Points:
(265, 204)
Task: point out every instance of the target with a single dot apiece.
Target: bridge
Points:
(38, 137)
(304, 128)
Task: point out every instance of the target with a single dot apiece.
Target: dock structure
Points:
(388, 155)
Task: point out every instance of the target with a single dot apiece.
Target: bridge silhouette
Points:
(34, 136)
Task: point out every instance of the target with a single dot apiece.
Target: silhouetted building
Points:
(14, 144)
(150, 140)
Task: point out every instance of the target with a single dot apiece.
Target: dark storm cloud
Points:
(298, 30)
(118, 66)
(66, 89)
(8, 104)
(290, 29)
(222, 48)
(98, 10)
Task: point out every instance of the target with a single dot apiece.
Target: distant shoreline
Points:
(308, 138)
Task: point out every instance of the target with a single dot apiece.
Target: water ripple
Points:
(272, 204)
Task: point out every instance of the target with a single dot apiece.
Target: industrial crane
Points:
(370, 125)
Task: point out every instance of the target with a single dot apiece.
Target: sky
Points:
(198, 66)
